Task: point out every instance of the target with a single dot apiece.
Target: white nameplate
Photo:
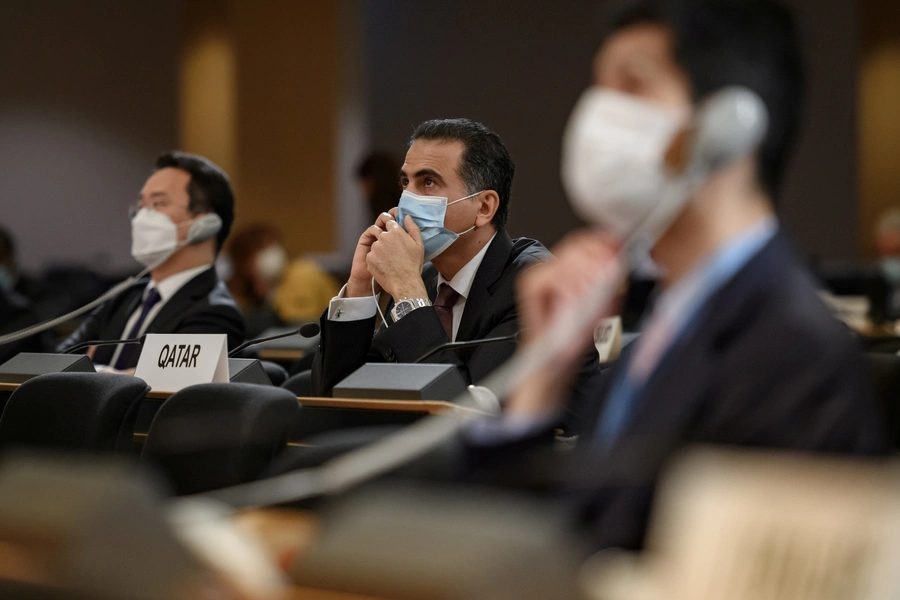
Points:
(608, 338)
(170, 362)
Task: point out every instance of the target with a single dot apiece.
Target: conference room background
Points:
(289, 96)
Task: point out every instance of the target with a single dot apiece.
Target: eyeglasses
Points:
(155, 204)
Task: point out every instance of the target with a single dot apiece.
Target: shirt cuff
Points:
(352, 309)
(504, 429)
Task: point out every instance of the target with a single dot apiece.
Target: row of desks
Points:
(413, 406)
(285, 530)
(318, 414)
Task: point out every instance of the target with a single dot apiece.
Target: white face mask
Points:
(271, 261)
(154, 237)
(612, 163)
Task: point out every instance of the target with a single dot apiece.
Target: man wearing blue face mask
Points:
(183, 293)
(456, 181)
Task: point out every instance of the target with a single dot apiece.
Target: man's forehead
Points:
(438, 155)
(167, 180)
(637, 43)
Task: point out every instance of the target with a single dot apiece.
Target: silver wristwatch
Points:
(407, 305)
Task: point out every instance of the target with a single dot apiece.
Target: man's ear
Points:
(488, 204)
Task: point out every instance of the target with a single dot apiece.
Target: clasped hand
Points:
(392, 256)
(583, 259)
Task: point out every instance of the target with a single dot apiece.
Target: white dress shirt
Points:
(354, 309)
(167, 288)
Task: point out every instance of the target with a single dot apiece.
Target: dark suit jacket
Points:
(202, 305)
(766, 365)
(490, 311)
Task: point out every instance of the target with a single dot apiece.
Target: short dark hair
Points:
(749, 43)
(209, 189)
(485, 164)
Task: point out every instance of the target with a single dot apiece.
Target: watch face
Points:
(402, 309)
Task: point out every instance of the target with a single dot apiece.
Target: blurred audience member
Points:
(379, 178)
(305, 291)
(11, 276)
(257, 261)
(16, 309)
(183, 293)
(271, 289)
(887, 241)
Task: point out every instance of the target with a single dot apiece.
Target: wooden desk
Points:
(281, 355)
(432, 407)
(287, 535)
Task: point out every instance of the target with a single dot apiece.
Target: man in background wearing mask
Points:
(183, 293)
(456, 182)
(738, 349)
(16, 308)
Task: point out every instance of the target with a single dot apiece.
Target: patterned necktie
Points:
(443, 304)
(128, 350)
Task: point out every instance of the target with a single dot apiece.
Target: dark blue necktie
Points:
(125, 356)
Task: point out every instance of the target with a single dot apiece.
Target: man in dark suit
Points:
(462, 170)
(738, 350)
(183, 293)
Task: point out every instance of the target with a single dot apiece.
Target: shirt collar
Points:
(462, 281)
(169, 286)
(683, 300)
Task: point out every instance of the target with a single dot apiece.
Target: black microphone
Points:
(308, 330)
(84, 345)
(460, 345)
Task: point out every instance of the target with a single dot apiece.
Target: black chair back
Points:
(299, 384)
(277, 374)
(216, 435)
(79, 411)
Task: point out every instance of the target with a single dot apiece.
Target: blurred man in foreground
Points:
(183, 293)
(738, 349)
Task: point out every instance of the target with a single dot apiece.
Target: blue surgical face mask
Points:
(428, 213)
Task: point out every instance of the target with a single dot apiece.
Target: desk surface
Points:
(286, 535)
(415, 406)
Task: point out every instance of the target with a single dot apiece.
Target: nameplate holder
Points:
(608, 338)
(401, 381)
(171, 362)
(26, 365)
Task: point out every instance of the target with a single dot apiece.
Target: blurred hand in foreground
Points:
(543, 293)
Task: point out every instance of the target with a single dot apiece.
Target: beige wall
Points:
(259, 94)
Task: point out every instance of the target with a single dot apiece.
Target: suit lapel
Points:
(173, 310)
(490, 270)
(115, 327)
(676, 386)
(431, 283)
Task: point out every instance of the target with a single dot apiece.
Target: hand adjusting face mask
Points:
(613, 164)
(154, 237)
(428, 213)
